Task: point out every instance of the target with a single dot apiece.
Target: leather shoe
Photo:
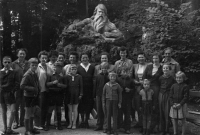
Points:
(104, 131)
(34, 131)
(115, 133)
(98, 128)
(108, 133)
(127, 132)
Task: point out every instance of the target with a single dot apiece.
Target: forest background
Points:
(39, 24)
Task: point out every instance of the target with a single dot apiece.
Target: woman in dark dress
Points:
(86, 70)
(152, 73)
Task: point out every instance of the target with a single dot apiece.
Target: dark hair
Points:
(53, 53)
(123, 49)
(73, 53)
(84, 53)
(7, 57)
(61, 53)
(141, 53)
(42, 53)
(22, 49)
(157, 54)
(105, 53)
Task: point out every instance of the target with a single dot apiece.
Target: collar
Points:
(84, 65)
(109, 84)
(166, 76)
(32, 72)
(103, 73)
(124, 60)
(4, 69)
(73, 75)
(61, 74)
(172, 61)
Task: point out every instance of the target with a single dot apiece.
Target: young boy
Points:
(56, 84)
(30, 85)
(127, 84)
(9, 83)
(112, 99)
(147, 106)
(100, 80)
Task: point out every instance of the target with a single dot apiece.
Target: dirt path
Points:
(191, 130)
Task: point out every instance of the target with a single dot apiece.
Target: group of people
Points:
(155, 92)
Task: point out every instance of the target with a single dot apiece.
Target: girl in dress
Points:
(178, 99)
(75, 93)
(166, 81)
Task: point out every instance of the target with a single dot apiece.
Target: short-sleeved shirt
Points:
(146, 95)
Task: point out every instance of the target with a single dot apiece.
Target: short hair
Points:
(7, 57)
(53, 53)
(104, 65)
(105, 53)
(22, 49)
(166, 64)
(123, 49)
(73, 53)
(157, 54)
(84, 53)
(33, 60)
(42, 53)
(180, 73)
(141, 53)
(146, 80)
(61, 53)
(168, 48)
(58, 64)
(111, 74)
(73, 66)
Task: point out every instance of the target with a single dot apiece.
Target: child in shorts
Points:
(57, 87)
(31, 88)
(9, 83)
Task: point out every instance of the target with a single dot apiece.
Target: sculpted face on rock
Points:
(100, 24)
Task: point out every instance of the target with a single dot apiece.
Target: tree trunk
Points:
(82, 6)
(25, 19)
(6, 29)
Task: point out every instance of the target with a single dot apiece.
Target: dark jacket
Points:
(112, 92)
(30, 84)
(166, 83)
(54, 87)
(126, 82)
(100, 80)
(152, 78)
(9, 82)
(179, 93)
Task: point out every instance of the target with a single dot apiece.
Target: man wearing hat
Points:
(56, 85)
(31, 88)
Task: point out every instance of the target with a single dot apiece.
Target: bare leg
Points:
(4, 115)
(175, 124)
(75, 111)
(183, 126)
(12, 115)
(70, 115)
